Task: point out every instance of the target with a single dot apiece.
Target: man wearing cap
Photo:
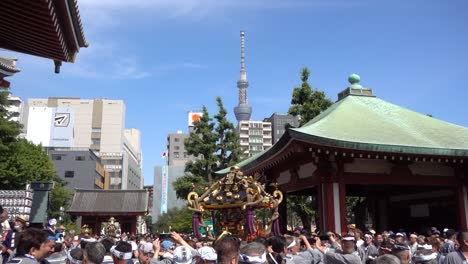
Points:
(166, 249)
(347, 253)
(13, 236)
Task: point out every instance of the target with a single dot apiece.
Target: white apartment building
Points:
(254, 136)
(99, 125)
(15, 108)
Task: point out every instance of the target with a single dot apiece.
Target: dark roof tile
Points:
(109, 201)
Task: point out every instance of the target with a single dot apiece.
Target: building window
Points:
(176, 139)
(176, 147)
(176, 155)
(56, 157)
(69, 174)
(80, 158)
(96, 141)
(185, 154)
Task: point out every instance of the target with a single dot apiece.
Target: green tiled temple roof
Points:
(367, 123)
(370, 123)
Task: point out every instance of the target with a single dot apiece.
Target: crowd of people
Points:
(39, 246)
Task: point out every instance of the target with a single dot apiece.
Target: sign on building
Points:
(193, 117)
(51, 127)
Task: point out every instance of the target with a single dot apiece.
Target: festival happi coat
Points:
(233, 200)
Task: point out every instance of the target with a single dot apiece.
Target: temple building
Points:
(96, 207)
(7, 69)
(412, 169)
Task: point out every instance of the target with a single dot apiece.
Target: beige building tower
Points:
(254, 136)
(98, 125)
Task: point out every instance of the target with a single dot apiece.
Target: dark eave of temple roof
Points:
(46, 28)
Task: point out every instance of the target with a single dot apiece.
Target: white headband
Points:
(255, 259)
(292, 244)
(424, 258)
(121, 255)
(426, 246)
(72, 260)
(349, 239)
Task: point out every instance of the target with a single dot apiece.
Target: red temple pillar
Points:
(332, 206)
(462, 201)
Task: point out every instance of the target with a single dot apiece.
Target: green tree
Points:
(24, 163)
(176, 219)
(302, 207)
(59, 197)
(9, 130)
(202, 144)
(215, 144)
(307, 102)
(184, 185)
(227, 147)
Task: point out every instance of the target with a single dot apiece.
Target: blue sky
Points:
(166, 57)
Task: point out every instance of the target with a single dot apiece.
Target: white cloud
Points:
(105, 64)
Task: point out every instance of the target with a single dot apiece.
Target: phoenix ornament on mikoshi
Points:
(234, 199)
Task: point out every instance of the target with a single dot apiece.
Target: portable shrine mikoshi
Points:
(233, 200)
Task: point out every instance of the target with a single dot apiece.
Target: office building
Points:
(176, 153)
(278, 122)
(99, 125)
(81, 169)
(165, 197)
(254, 136)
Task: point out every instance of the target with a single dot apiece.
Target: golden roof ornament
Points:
(234, 198)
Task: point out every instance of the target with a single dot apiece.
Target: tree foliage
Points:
(215, 144)
(227, 146)
(59, 197)
(24, 163)
(176, 219)
(202, 144)
(9, 130)
(302, 207)
(307, 102)
(184, 185)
